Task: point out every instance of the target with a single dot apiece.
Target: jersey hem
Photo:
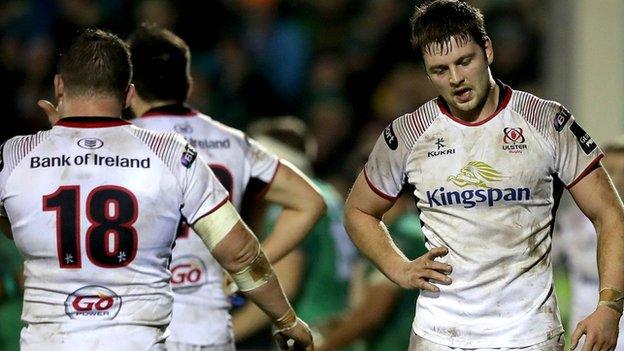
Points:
(590, 168)
(514, 343)
(377, 191)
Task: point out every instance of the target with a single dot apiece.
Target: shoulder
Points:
(411, 126)
(540, 113)
(16, 148)
(168, 146)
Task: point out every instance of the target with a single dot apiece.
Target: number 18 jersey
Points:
(94, 204)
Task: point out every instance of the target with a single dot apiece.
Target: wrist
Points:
(612, 298)
(286, 321)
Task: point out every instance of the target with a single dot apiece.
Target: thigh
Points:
(55, 337)
(418, 343)
(556, 343)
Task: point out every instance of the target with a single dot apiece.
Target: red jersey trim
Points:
(444, 109)
(218, 206)
(377, 191)
(261, 194)
(170, 112)
(590, 168)
(91, 122)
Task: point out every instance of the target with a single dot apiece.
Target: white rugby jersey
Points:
(200, 314)
(488, 191)
(94, 204)
(574, 244)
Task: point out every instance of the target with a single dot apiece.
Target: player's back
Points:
(94, 204)
(245, 169)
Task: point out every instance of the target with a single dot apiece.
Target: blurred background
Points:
(345, 67)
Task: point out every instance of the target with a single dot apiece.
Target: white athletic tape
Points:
(255, 275)
(215, 226)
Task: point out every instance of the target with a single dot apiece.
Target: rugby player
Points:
(162, 78)
(93, 205)
(488, 164)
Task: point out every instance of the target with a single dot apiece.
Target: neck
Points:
(96, 106)
(140, 106)
(485, 109)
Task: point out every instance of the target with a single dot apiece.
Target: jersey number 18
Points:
(111, 240)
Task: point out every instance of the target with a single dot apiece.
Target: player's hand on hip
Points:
(423, 272)
(50, 110)
(298, 337)
(600, 329)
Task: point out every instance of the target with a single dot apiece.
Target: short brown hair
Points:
(161, 64)
(97, 62)
(439, 20)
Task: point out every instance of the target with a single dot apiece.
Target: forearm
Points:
(611, 252)
(302, 206)
(291, 227)
(371, 237)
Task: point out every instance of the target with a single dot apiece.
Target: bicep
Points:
(291, 188)
(364, 199)
(596, 196)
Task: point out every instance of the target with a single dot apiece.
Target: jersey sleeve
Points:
(263, 163)
(385, 168)
(576, 153)
(203, 193)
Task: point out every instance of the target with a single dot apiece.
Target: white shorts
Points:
(178, 346)
(418, 343)
(58, 337)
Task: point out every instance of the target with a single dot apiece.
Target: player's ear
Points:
(59, 87)
(190, 89)
(489, 50)
(130, 94)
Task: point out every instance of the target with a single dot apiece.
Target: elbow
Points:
(237, 250)
(315, 205)
(320, 206)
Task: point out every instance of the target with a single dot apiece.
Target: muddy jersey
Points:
(200, 314)
(94, 204)
(488, 191)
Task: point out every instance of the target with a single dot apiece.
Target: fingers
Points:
(428, 287)
(437, 252)
(439, 266)
(576, 335)
(50, 110)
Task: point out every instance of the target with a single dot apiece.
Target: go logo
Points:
(93, 303)
(188, 274)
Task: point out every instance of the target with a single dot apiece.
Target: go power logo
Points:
(93, 302)
(477, 176)
(188, 274)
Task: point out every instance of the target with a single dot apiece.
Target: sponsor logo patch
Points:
(440, 149)
(184, 128)
(479, 176)
(561, 118)
(188, 156)
(93, 302)
(90, 143)
(188, 274)
(513, 137)
(585, 141)
(390, 137)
